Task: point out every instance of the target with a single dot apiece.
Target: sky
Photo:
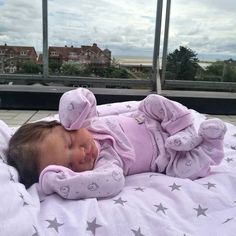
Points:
(125, 27)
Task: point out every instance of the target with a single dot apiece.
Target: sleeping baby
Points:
(85, 156)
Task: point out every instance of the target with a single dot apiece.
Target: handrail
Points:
(100, 82)
(200, 85)
(76, 81)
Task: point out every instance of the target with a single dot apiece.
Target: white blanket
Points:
(150, 204)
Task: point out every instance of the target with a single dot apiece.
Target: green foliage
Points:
(182, 64)
(215, 69)
(30, 67)
(111, 72)
(225, 70)
(73, 68)
(54, 66)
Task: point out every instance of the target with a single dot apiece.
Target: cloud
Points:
(125, 27)
(207, 26)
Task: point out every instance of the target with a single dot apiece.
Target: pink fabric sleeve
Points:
(75, 107)
(105, 180)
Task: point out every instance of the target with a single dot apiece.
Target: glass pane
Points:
(20, 36)
(202, 44)
(102, 39)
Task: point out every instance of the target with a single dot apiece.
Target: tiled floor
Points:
(19, 117)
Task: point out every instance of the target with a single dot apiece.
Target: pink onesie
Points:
(150, 139)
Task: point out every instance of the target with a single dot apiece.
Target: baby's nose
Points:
(78, 154)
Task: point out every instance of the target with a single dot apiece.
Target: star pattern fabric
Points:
(92, 226)
(119, 201)
(36, 231)
(227, 220)
(23, 199)
(161, 208)
(137, 232)
(229, 159)
(210, 185)
(201, 211)
(54, 224)
(174, 186)
(139, 189)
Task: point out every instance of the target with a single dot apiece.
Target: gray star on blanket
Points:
(119, 201)
(137, 232)
(160, 207)
(36, 232)
(54, 224)
(139, 189)
(229, 159)
(11, 177)
(233, 147)
(200, 211)
(227, 220)
(210, 185)
(174, 186)
(92, 226)
(23, 198)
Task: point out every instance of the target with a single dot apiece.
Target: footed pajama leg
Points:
(196, 162)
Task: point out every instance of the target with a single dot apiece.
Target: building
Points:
(87, 55)
(13, 57)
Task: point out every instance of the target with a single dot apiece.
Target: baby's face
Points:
(73, 149)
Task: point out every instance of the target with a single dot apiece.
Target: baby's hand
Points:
(75, 107)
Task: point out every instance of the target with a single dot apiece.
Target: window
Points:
(114, 40)
(104, 39)
(201, 45)
(23, 53)
(22, 33)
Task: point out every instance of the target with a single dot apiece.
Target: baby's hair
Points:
(23, 149)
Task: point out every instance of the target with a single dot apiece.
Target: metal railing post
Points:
(156, 52)
(165, 44)
(45, 37)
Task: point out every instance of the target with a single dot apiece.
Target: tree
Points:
(111, 72)
(222, 71)
(72, 68)
(182, 64)
(30, 67)
(54, 66)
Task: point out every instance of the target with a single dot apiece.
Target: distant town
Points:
(12, 58)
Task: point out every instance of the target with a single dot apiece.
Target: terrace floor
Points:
(18, 117)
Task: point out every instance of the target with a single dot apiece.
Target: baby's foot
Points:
(183, 141)
(212, 129)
